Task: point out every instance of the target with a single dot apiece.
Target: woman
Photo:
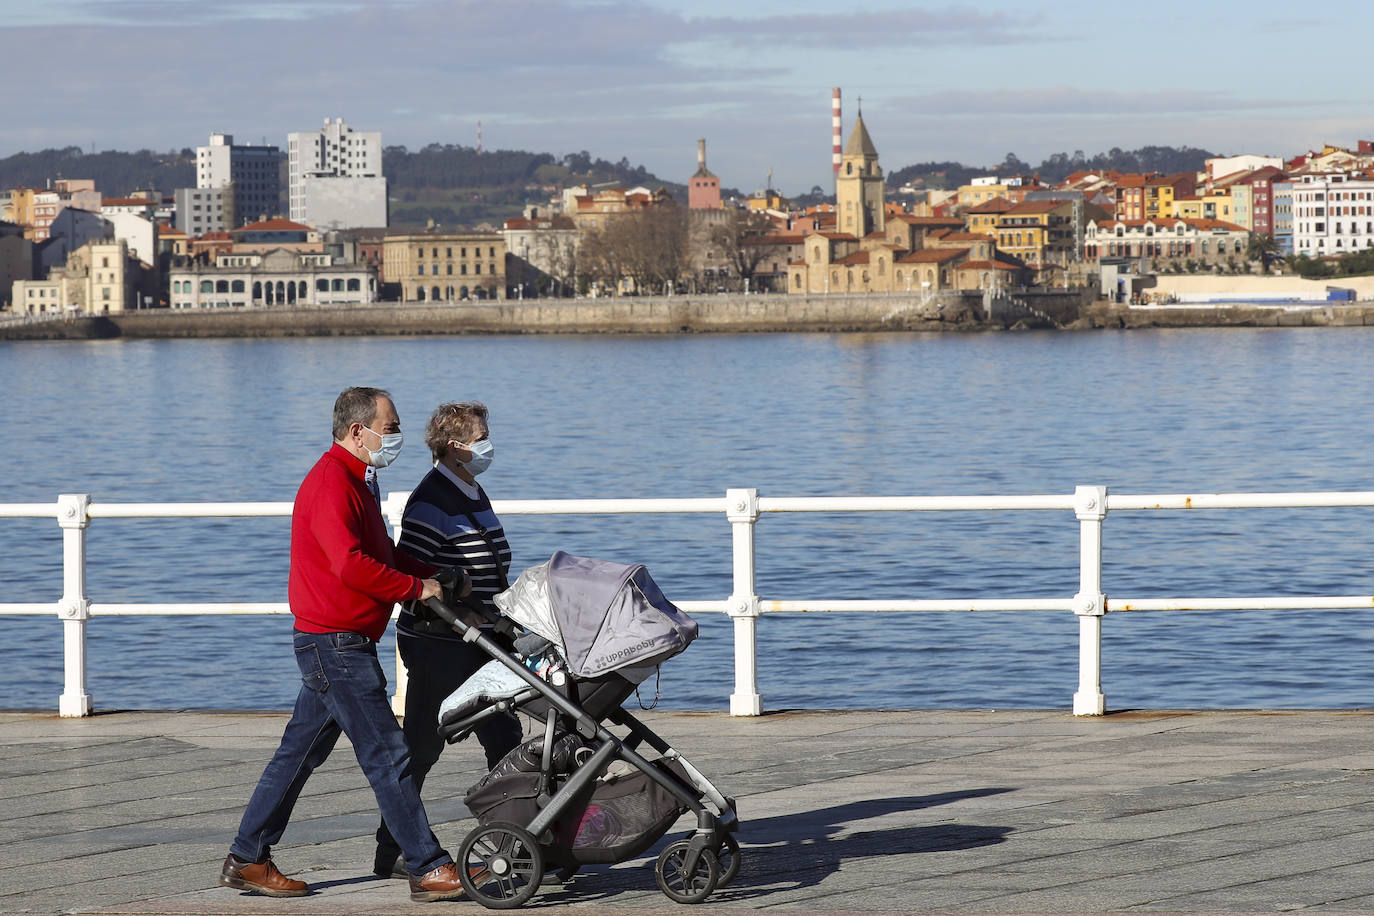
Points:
(448, 522)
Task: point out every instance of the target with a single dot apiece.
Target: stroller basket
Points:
(618, 820)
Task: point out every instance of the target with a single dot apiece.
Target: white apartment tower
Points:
(252, 171)
(1333, 213)
(335, 177)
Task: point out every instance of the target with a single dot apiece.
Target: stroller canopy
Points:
(601, 616)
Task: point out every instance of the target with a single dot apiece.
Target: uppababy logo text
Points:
(622, 653)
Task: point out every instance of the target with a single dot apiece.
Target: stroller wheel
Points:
(728, 854)
(729, 857)
(678, 884)
(500, 866)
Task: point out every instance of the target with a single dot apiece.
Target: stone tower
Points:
(859, 185)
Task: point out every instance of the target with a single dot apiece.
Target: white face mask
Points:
(391, 447)
(482, 451)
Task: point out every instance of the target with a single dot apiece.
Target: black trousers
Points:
(436, 668)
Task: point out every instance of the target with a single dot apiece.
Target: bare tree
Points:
(739, 238)
(558, 253)
(647, 247)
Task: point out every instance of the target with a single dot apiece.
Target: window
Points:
(207, 286)
(222, 286)
(477, 268)
(321, 286)
(421, 269)
(355, 285)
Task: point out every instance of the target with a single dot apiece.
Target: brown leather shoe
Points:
(442, 883)
(259, 878)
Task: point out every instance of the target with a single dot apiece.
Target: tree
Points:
(647, 247)
(738, 239)
(1264, 248)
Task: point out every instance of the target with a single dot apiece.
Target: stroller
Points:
(578, 793)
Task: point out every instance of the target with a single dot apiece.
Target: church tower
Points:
(859, 186)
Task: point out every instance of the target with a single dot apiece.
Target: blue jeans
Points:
(436, 668)
(343, 690)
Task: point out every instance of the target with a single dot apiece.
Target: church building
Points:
(872, 251)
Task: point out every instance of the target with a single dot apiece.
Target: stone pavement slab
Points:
(843, 812)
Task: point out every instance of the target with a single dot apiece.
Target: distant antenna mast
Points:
(479, 136)
(835, 129)
(770, 178)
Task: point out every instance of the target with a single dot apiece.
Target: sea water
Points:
(896, 414)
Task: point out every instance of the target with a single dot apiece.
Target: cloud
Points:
(1074, 101)
(182, 12)
(627, 78)
(917, 29)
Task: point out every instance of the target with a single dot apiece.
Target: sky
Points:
(643, 79)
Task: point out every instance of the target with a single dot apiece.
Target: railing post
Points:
(393, 507)
(1090, 507)
(742, 509)
(75, 608)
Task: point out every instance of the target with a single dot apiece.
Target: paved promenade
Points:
(873, 812)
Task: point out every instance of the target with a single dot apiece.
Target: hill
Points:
(458, 187)
(455, 186)
(1055, 168)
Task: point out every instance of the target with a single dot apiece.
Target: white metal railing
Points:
(742, 508)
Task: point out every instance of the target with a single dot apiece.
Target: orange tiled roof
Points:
(1171, 223)
(930, 220)
(996, 205)
(1035, 206)
(987, 265)
(932, 255)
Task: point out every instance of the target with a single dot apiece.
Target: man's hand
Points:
(455, 581)
(430, 588)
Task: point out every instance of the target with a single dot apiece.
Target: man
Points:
(343, 582)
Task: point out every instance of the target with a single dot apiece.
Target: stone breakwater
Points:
(1069, 309)
(630, 315)
(1221, 315)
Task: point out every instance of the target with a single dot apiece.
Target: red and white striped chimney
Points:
(835, 128)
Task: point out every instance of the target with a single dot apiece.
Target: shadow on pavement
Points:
(792, 851)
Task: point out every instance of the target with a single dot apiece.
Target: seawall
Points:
(1073, 309)
(1224, 315)
(630, 315)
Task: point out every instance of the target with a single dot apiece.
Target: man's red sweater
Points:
(345, 575)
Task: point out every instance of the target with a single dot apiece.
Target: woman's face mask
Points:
(481, 453)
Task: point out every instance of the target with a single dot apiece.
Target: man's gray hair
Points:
(356, 405)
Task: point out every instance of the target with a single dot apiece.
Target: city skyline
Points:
(644, 79)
